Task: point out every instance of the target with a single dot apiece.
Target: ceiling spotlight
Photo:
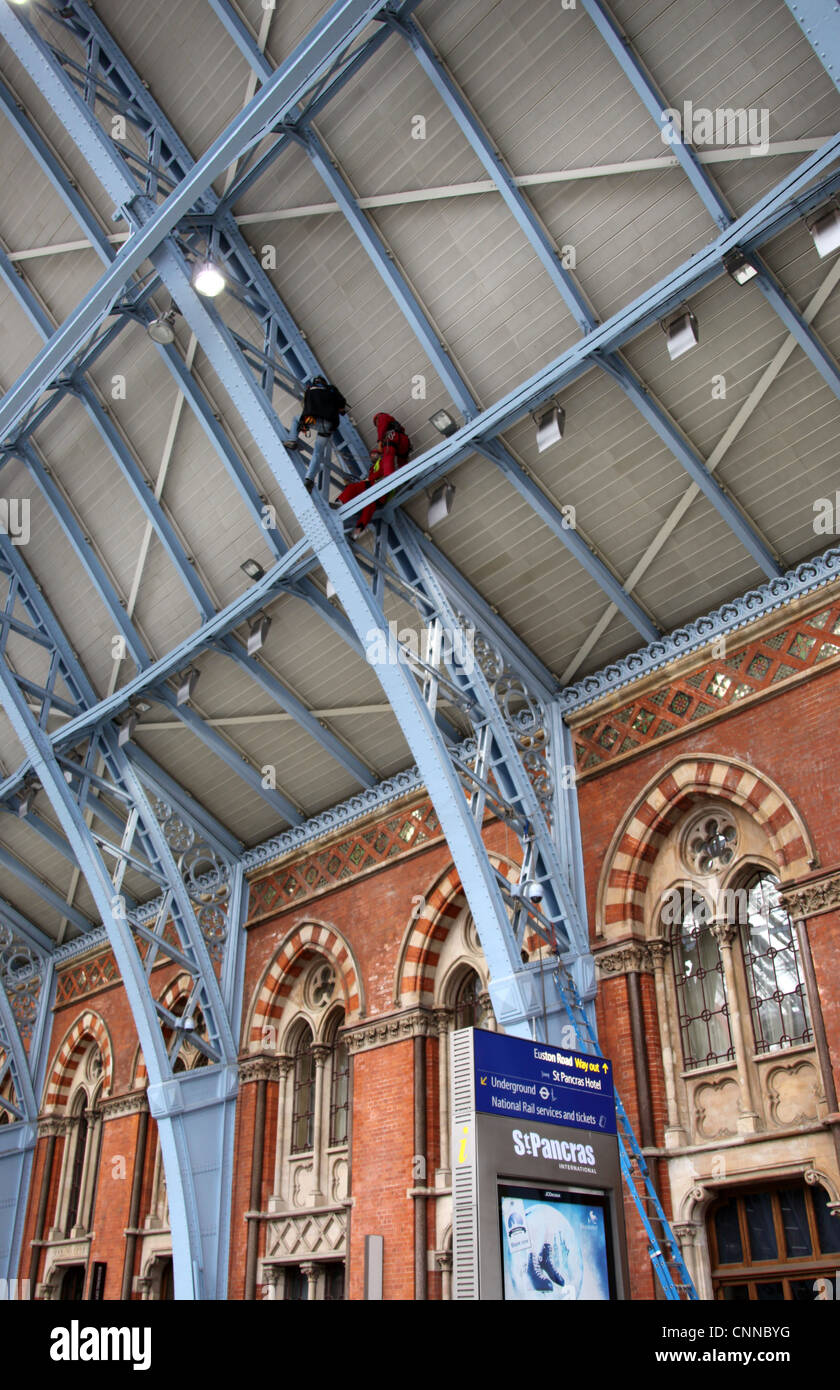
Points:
(253, 569)
(142, 706)
(444, 423)
(126, 733)
(826, 232)
(682, 334)
(550, 426)
(208, 278)
(739, 266)
(440, 503)
(27, 796)
(331, 589)
(162, 329)
(186, 686)
(257, 633)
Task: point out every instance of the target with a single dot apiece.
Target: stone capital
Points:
(805, 900)
(625, 959)
(414, 1023)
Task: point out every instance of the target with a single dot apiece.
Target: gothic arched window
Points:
(303, 1099)
(701, 988)
(466, 1008)
(778, 1004)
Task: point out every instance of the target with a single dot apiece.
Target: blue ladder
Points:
(665, 1255)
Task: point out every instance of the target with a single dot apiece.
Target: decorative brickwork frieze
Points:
(410, 828)
(722, 684)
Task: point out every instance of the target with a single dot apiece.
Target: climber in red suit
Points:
(393, 448)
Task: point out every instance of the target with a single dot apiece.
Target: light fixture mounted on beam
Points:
(162, 329)
(208, 278)
(739, 266)
(440, 503)
(444, 423)
(253, 569)
(186, 686)
(27, 797)
(681, 333)
(551, 422)
(257, 633)
(825, 230)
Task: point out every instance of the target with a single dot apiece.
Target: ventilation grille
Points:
(465, 1214)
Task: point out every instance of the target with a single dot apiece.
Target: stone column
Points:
(311, 1272)
(675, 1134)
(688, 1234)
(443, 1260)
(270, 1276)
(92, 1150)
(486, 1017)
(442, 1021)
(749, 1117)
(320, 1052)
(284, 1066)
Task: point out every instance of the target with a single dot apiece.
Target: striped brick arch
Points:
(685, 783)
(177, 989)
(88, 1028)
(303, 944)
(421, 948)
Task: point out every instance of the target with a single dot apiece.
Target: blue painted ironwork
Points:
(194, 1120)
(622, 50)
(336, 31)
(819, 21)
(145, 114)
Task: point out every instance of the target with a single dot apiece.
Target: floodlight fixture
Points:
(550, 425)
(186, 686)
(126, 733)
(825, 230)
(162, 329)
(27, 797)
(253, 569)
(444, 423)
(739, 266)
(208, 278)
(257, 633)
(440, 503)
(331, 589)
(681, 333)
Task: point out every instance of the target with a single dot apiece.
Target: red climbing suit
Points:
(393, 448)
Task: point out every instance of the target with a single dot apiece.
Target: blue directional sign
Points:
(541, 1082)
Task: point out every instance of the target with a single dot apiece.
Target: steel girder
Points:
(126, 90)
(549, 257)
(819, 21)
(195, 920)
(337, 30)
(655, 104)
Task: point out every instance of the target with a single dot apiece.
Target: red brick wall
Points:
(113, 1198)
(383, 1148)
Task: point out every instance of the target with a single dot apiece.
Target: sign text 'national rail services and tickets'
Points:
(538, 1081)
